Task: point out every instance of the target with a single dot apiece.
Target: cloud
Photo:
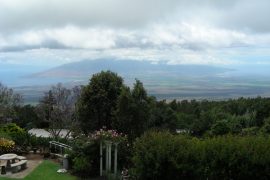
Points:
(17, 14)
(247, 15)
(184, 35)
(180, 31)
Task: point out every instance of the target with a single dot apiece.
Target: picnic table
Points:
(11, 164)
(8, 158)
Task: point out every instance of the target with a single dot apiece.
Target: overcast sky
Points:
(53, 32)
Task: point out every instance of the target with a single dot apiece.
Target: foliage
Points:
(81, 164)
(27, 117)
(162, 116)
(22, 138)
(98, 101)
(42, 142)
(250, 131)
(84, 157)
(15, 133)
(266, 127)
(236, 116)
(11, 128)
(5, 135)
(6, 145)
(133, 111)
(161, 155)
(220, 128)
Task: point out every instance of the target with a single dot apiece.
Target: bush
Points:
(6, 145)
(84, 157)
(11, 128)
(161, 155)
(81, 164)
(17, 134)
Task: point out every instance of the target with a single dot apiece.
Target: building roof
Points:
(45, 133)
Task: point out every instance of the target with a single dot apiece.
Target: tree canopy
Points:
(98, 101)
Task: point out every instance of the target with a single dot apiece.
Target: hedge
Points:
(161, 155)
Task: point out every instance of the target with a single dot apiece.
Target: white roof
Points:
(45, 133)
(39, 132)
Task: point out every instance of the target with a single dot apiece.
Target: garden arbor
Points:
(108, 146)
(109, 140)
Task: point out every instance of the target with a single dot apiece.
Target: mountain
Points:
(161, 80)
(128, 67)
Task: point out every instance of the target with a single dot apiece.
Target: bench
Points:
(21, 158)
(15, 166)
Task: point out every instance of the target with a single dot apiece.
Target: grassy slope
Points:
(46, 171)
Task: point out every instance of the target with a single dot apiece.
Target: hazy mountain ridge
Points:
(128, 67)
(161, 80)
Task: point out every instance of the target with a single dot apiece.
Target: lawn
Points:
(46, 170)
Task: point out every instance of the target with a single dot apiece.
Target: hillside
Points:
(128, 68)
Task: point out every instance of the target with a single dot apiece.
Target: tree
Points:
(99, 100)
(163, 116)
(266, 127)
(133, 111)
(8, 102)
(220, 128)
(58, 109)
(27, 117)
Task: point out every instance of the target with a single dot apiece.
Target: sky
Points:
(214, 32)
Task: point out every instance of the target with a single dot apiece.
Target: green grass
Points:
(46, 171)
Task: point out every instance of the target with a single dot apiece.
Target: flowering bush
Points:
(110, 135)
(6, 145)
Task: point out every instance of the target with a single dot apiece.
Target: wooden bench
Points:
(21, 164)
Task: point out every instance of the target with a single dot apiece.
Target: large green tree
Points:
(98, 101)
(133, 111)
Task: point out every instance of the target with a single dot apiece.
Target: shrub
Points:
(6, 145)
(11, 128)
(81, 164)
(161, 155)
(84, 157)
(17, 134)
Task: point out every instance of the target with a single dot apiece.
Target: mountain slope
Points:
(128, 68)
(161, 80)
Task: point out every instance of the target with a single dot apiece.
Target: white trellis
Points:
(108, 146)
